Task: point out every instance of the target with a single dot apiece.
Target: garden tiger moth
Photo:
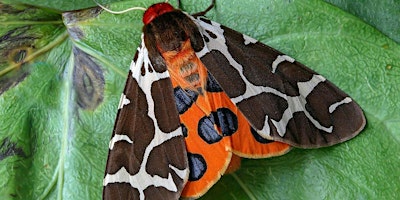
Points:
(199, 94)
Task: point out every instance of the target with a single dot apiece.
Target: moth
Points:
(200, 95)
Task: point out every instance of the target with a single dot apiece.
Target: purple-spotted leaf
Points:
(61, 75)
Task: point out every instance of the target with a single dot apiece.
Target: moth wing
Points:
(281, 98)
(209, 153)
(147, 156)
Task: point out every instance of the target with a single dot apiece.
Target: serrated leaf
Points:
(61, 80)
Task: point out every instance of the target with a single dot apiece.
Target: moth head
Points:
(156, 10)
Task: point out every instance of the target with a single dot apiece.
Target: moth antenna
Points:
(202, 13)
(118, 12)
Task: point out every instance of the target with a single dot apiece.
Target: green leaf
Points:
(60, 5)
(380, 14)
(61, 75)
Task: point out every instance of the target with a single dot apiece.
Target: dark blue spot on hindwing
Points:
(197, 166)
(207, 131)
(258, 137)
(226, 120)
(212, 84)
(184, 130)
(184, 99)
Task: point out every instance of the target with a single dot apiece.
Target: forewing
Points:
(281, 98)
(147, 156)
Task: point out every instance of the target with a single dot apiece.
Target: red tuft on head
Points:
(156, 10)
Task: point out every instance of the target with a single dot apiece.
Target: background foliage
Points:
(62, 72)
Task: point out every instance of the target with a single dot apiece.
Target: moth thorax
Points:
(186, 69)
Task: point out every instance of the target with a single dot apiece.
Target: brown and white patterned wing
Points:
(147, 155)
(282, 99)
